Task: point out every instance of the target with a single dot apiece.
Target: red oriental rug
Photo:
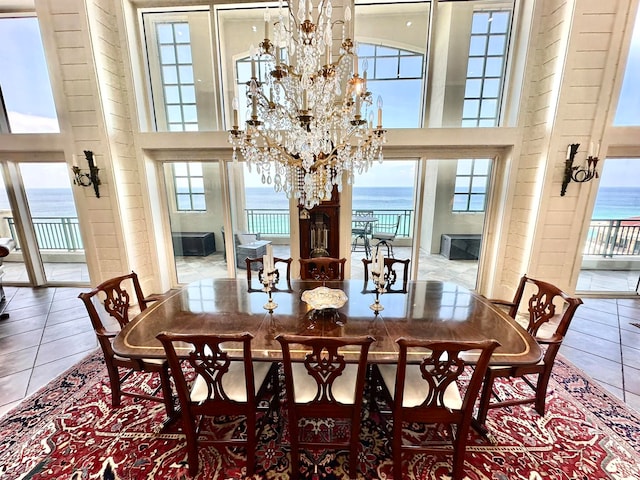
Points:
(68, 430)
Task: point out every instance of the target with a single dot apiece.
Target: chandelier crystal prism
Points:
(311, 120)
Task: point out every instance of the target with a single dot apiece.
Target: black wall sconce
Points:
(579, 174)
(90, 178)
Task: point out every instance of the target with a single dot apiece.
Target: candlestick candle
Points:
(270, 258)
(234, 105)
(380, 262)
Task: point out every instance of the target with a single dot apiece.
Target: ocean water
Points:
(611, 203)
(364, 198)
(617, 203)
(46, 202)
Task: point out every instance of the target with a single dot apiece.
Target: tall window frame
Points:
(176, 74)
(180, 71)
(26, 98)
(486, 68)
(628, 108)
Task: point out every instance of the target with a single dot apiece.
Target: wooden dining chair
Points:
(429, 392)
(211, 381)
(108, 306)
(542, 312)
(324, 385)
(251, 262)
(322, 268)
(397, 271)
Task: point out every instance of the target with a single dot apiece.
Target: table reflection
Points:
(430, 310)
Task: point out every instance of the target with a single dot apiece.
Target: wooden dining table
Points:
(429, 310)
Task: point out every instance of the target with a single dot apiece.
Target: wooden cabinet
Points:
(320, 229)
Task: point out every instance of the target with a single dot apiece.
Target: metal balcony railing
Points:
(609, 238)
(270, 221)
(53, 233)
(606, 238)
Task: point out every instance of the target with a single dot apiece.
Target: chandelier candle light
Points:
(311, 120)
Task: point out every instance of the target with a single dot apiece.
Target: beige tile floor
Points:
(48, 331)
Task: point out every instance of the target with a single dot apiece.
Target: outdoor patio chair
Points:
(386, 234)
(362, 230)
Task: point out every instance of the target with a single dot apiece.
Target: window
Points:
(392, 39)
(485, 68)
(178, 84)
(628, 112)
(396, 75)
(195, 74)
(189, 186)
(180, 61)
(472, 180)
(24, 79)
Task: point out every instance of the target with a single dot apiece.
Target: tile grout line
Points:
(624, 390)
(35, 359)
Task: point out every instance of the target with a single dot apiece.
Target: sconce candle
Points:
(90, 178)
(579, 174)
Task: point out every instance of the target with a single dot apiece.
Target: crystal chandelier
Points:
(311, 119)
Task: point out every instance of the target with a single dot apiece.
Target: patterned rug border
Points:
(42, 408)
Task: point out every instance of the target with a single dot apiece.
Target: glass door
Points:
(39, 225)
(452, 221)
(611, 256)
(260, 220)
(383, 208)
(196, 215)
